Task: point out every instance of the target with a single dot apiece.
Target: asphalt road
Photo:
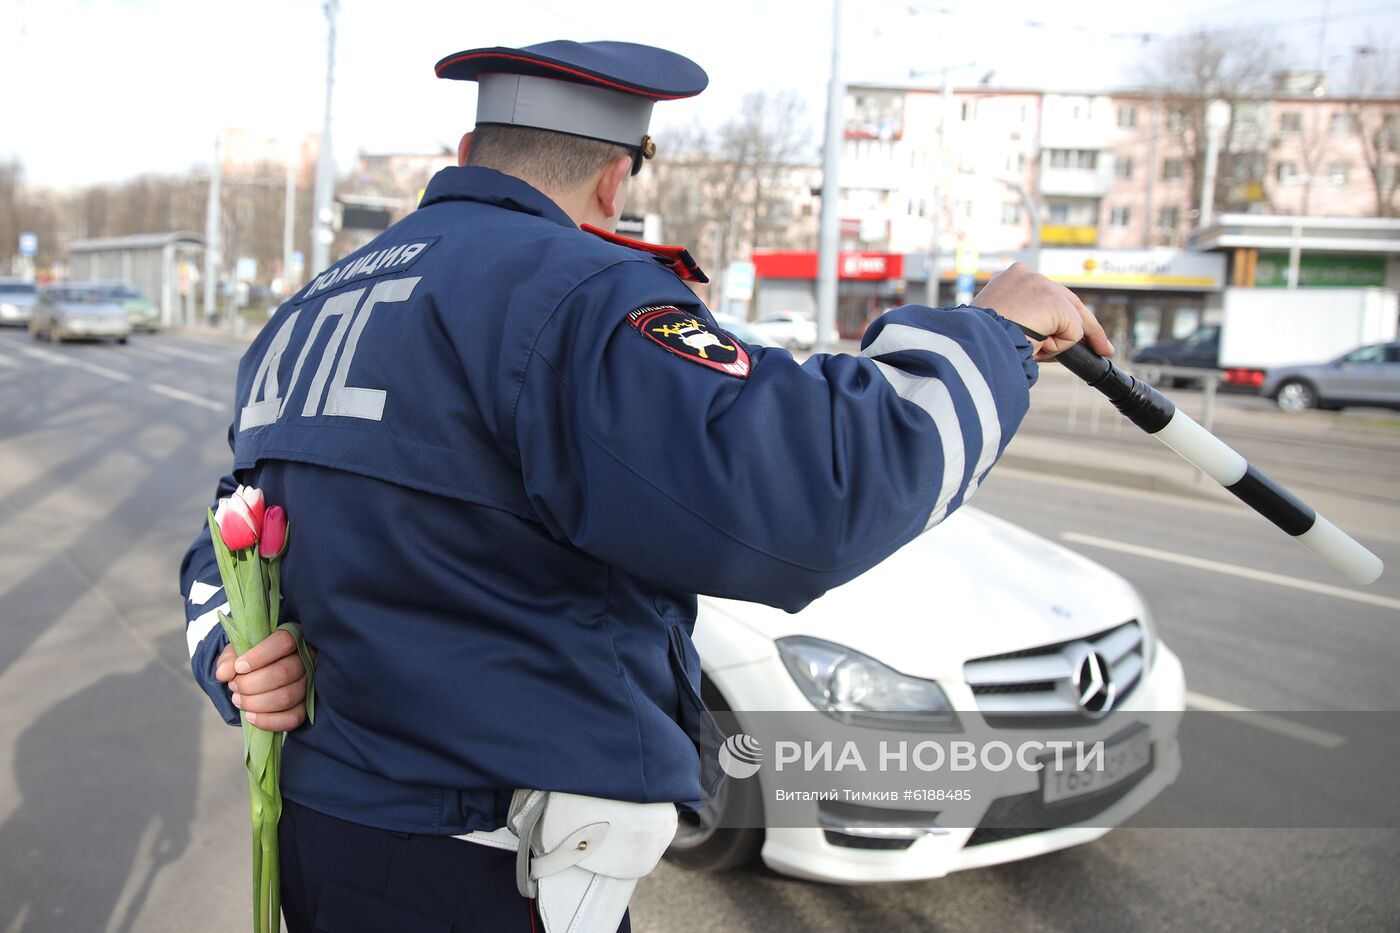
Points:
(123, 806)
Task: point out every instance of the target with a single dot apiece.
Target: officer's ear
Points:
(609, 191)
(464, 148)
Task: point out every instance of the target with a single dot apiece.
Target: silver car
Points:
(1366, 376)
(78, 311)
(17, 299)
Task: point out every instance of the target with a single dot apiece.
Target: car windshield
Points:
(1203, 335)
(1374, 354)
(16, 288)
(123, 292)
(79, 296)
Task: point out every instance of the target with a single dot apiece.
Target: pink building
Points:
(1109, 170)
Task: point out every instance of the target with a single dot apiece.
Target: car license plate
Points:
(1121, 760)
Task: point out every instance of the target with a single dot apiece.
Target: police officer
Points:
(514, 447)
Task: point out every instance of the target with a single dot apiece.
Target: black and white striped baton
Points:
(1152, 411)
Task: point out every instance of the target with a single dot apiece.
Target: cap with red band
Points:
(599, 90)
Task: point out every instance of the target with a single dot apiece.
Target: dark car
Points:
(1366, 376)
(17, 299)
(1199, 350)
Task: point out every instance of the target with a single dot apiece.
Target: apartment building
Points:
(1113, 179)
(1111, 170)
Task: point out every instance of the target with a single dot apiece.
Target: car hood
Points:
(85, 309)
(18, 299)
(971, 587)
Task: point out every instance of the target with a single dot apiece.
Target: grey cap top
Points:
(599, 90)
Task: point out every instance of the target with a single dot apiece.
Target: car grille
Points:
(1035, 687)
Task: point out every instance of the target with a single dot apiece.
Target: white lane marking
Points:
(6, 361)
(176, 351)
(58, 359)
(1247, 573)
(1267, 721)
(180, 395)
(146, 354)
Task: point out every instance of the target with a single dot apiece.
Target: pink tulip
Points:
(254, 498)
(235, 523)
(273, 540)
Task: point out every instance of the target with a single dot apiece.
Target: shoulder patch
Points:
(690, 335)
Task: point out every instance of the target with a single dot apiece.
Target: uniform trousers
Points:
(342, 877)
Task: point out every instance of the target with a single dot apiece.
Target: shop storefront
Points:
(867, 285)
(1141, 296)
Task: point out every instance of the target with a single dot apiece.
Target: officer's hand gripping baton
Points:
(1152, 411)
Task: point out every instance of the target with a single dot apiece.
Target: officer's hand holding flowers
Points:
(268, 682)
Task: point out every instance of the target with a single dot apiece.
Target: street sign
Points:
(966, 283)
(738, 281)
(967, 258)
(28, 244)
(246, 269)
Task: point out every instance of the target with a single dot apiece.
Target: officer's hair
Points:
(552, 160)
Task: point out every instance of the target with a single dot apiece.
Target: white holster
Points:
(580, 857)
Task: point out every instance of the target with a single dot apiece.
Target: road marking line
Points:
(1248, 573)
(180, 395)
(58, 359)
(146, 354)
(176, 351)
(1268, 721)
(6, 361)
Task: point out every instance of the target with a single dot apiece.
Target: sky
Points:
(97, 90)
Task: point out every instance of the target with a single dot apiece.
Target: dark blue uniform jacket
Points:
(513, 452)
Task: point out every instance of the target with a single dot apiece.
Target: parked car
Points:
(978, 617)
(743, 330)
(17, 299)
(139, 310)
(1198, 350)
(788, 329)
(1365, 376)
(78, 311)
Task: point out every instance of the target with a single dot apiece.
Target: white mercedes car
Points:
(979, 617)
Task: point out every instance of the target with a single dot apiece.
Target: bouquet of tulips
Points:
(249, 541)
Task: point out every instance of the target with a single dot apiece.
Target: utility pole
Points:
(213, 247)
(830, 240)
(1217, 119)
(321, 233)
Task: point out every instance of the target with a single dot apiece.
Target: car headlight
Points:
(7, 308)
(858, 689)
(1149, 637)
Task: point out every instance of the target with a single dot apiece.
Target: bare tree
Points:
(1188, 72)
(1375, 87)
(727, 190)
